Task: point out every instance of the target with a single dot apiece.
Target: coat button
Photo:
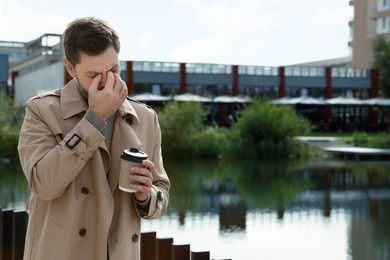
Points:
(82, 232)
(84, 190)
(134, 238)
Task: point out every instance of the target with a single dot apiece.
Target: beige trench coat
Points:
(76, 210)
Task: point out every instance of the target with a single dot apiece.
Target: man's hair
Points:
(89, 35)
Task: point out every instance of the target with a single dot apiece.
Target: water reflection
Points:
(358, 192)
(13, 187)
(271, 209)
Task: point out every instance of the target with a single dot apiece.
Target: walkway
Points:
(359, 152)
(339, 147)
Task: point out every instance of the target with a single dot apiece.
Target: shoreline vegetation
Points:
(262, 131)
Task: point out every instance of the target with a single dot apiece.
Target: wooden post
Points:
(130, 77)
(14, 74)
(13, 227)
(19, 231)
(163, 248)
(148, 246)
(1, 234)
(183, 78)
(7, 234)
(282, 82)
(200, 255)
(235, 81)
(180, 252)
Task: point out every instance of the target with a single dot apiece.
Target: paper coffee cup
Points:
(129, 157)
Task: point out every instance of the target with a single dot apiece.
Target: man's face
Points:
(91, 66)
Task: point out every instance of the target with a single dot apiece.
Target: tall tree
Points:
(381, 52)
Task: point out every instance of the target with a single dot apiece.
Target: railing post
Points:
(13, 227)
(200, 255)
(163, 248)
(1, 234)
(148, 246)
(19, 232)
(7, 234)
(180, 252)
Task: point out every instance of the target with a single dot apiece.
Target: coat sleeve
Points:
(49, 160)
(161, 183)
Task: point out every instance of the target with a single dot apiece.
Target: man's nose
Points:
(103, 79)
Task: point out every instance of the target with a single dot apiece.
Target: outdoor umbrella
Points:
(345, 101)
(148, 97)
(280, 101)
(377, 101)
(232, 99)
(305, 100)
(191, 97)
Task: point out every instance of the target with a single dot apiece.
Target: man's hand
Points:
(106, 101)
(143, 178)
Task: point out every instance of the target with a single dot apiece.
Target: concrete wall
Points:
(48, 78)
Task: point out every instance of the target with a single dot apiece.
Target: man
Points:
(70, 146)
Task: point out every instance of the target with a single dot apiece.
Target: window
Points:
(383, 5)
(383, 25)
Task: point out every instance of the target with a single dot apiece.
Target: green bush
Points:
(381, 140)
(210, 142)
(263, 131)
(184, 134)
(266, 131)
(180, 122)
(11, 118)
(9, 138)
(360, 139)
(377, 140)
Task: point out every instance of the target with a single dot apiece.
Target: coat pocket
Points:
(49, 240)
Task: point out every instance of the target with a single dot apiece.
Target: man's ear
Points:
(69, 68)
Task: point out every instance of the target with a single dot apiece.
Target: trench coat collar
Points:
(71, 105)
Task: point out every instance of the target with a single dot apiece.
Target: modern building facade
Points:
(37, 66)
(43, 70)
(370, 19)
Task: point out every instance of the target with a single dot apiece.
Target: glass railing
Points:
(343, 72)
(151, 66)
(203, 68)
(298, 71)
(258, 70)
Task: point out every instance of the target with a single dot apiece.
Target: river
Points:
(323, 209)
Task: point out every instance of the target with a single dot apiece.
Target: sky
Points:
(239, 32)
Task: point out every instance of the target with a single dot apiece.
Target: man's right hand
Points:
(106, 100)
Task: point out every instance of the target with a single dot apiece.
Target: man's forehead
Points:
(106, 61)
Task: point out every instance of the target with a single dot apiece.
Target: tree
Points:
(381, 52)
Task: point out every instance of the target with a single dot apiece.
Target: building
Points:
(44, 67)
(37, 66)
(36, 61)
(371, 18)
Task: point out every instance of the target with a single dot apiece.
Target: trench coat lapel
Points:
(124, 137)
